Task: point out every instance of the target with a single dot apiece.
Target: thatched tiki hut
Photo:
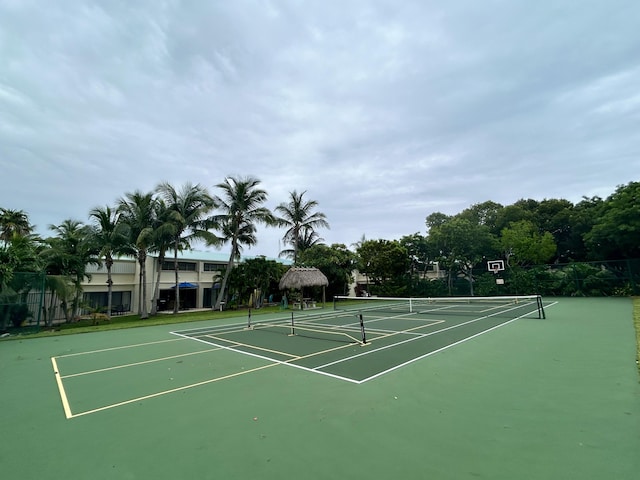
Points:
(296, 278)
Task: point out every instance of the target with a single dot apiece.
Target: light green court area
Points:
(534, 399)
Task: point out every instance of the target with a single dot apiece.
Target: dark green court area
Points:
(422, 395)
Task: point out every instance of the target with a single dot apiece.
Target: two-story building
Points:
(198, 280)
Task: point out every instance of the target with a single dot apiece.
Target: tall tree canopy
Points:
(186, 217)
(298, 216)
(13, 222)
(242, 204)
(616, 232)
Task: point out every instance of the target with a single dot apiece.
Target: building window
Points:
(214, 267)
(100, 299)
(182, 266)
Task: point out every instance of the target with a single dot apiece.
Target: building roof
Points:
(299, 277)
(218, 257)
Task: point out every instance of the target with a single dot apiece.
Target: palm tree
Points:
(187, 211)
(359, 243)
(13, 222)
(109, 236)
(300, 219)
(138, 211)
(21, 254)
(162, 238)
(308, 239)
(241, 203)
(70, 253)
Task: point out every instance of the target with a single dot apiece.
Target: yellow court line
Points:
(140, 363)
(321, 352)
(173, 390)
(239, 344)
(63, 394)
(293, 357)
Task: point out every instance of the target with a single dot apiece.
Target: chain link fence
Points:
(21, 301)
(589, 279)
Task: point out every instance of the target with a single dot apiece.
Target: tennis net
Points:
(309, 327)
(511, 306)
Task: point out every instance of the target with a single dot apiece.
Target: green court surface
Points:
(426, 396)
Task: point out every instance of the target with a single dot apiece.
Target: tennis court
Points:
(335, 343)
(464, 390)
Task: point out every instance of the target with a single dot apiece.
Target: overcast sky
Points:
(382, 111)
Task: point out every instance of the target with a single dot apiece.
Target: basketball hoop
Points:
(495, 266)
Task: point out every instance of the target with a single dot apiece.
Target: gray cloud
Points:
(383, 111)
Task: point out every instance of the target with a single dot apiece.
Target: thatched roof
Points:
(298, 277)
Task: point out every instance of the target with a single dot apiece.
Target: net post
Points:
(364, 335)
(293, 330)
(541, 313)
(249, 320)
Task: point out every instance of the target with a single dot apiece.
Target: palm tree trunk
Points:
(176, 306)
(225, 279)
(109, 264)
(296, 234)
(156, 292)
(142, 301)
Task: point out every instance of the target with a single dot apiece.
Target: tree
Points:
(21, 254)
(109, 237)
(513, 213)
(554, 216)
(523, 244)
(616, 231)
(461, 245)
(436, 219)
(359, 243)
(162, 239)
(13, 222)
(71, 251)
(421, 254)
(336, 262)
(485, 213)
(584, 216)
(254, 278)
(138, 211)
(385, 263)
(186, 214)
(301, 222)
(242, 208)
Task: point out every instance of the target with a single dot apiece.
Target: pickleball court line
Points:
(116, 348)
(173, 390)
(379, 374)
(116, 367)
(279, 362)
(419, 337)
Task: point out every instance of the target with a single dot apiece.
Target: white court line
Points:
(126, 365)
(379, 374)
(116, 348)
(255, 347)
(279, 362)
(166, 392)
(272, 363)
(421, 336)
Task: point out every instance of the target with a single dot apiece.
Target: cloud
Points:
(384, 112)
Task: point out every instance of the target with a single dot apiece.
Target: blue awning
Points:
(186, 285)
